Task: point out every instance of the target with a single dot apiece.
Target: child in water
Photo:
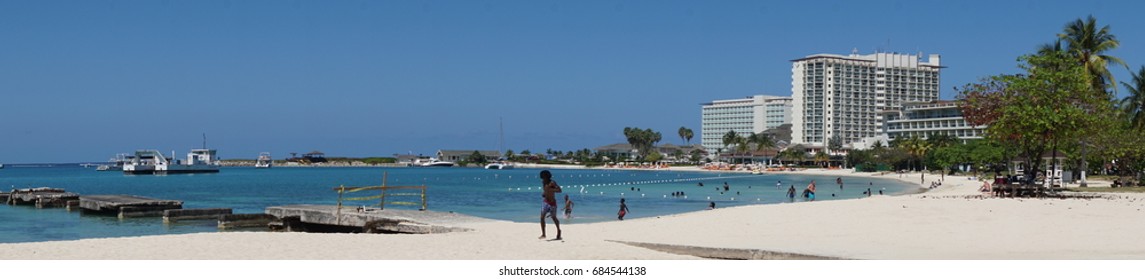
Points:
(623, 210)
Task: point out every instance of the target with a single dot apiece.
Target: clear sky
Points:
(84, 80)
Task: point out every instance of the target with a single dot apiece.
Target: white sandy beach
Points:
(941, 224)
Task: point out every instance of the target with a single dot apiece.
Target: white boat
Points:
(499, 165)
(151, 162)
(502, 164)
(114, 164)
(433, 162)
(263, 160)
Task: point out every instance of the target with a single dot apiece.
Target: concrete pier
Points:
(369, 220)
(128, 206)
(246, 220)
(174, 215)
(41, 197)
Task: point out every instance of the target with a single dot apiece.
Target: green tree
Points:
(685, 135)
(1133, 105)
(643, 140)
(476, 157)
(1053, 104)
(697, 155)
(946, 157)
(941, 140)
(986, 153)
(654, 156)
(1089, 45)
(916, 149)
(762, 141)
(509, 154)
(729, 139)
(835, 143)
(742, 146)
(794, 154)
(821, 157)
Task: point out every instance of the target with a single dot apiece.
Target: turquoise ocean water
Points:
(498, 194)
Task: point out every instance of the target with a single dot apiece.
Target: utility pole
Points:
(1084, 162)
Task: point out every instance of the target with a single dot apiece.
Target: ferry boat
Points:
(263, 160)
(152, 162)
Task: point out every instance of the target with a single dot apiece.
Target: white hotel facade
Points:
(844, 96)
(922, 119)
(752, 114)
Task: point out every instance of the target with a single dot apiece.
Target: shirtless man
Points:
(568, 207)
(549, 202)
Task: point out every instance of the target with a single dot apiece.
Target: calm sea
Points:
(498, 194)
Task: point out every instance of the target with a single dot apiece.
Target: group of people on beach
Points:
(550, 189)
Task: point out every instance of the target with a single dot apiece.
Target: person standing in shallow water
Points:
(810, 190)
(568, 207)
(623, 210)
(549, 202)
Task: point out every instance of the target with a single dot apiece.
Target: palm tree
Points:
(762, 141)
(1134, 103)
(685, 135)
(916, 147)
(1088, 44)
(683, 132)
(941, 140)
(729, 138)
(793, 153)
(742, 145)
(820, 157)
(835, 143)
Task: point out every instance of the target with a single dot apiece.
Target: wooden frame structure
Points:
(385, 190)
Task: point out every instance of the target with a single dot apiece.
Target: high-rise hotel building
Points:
(837, 95)
(752, 114)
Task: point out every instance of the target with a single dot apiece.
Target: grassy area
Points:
(1109, 190)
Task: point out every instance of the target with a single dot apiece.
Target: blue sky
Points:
(84, 80)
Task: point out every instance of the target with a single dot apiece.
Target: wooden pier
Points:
(128, 206)
(367, 220)
(41, 197)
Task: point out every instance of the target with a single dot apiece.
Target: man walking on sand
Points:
(549, 202)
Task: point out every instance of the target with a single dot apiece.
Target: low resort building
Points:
(463, 155)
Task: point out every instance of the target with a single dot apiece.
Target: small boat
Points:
(263, 160)
(499, 165)
(433, 162)
(151, 162)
